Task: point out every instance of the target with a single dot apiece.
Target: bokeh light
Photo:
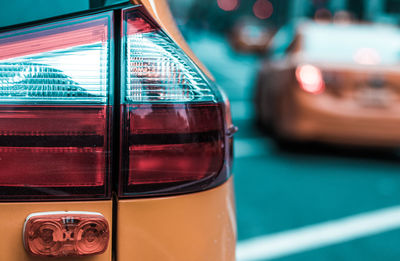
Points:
(323, 14)
(263, 9)
(228, 5)
(310, 78)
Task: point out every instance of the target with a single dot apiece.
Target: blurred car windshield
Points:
(360, 44)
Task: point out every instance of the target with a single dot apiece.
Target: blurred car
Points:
(250, 36)
(337, 83)
(115, 142)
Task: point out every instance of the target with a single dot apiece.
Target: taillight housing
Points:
(55, 109)
(73, 108)
(310, 79)
(173, 128)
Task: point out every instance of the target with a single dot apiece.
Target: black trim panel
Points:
(52, 141)
(174, 138)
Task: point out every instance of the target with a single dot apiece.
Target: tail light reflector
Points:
(173, 123)
(55, 109)
(58, 234)
(310, 79)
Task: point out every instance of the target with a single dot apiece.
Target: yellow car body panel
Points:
(196, 227)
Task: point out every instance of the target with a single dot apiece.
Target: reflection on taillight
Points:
(55, 109)
(173, 124)
(310, 79)
(57, 234)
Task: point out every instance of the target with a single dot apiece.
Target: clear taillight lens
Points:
(173, 126)
(157, 70)
(55, 109)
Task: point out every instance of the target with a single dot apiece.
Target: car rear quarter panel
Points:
(196, 227)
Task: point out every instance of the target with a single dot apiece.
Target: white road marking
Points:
(320, 235)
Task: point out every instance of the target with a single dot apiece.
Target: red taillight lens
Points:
(52, 146)
(174, 143)
(55, 109)
(173, 128)
(310, 79)
(58, 234)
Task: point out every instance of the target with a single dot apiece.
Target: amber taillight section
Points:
(58, 234)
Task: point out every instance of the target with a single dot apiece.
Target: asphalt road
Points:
(305, 203)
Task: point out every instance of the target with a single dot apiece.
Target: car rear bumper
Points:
(317, 118)
(199, 226)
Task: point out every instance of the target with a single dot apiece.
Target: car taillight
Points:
(56, 112)
(172, 118)
(310, 79)
(55, 109)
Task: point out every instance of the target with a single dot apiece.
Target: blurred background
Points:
(328, 189)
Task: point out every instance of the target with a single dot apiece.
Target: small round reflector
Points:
(57, 234)
(90, 237)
